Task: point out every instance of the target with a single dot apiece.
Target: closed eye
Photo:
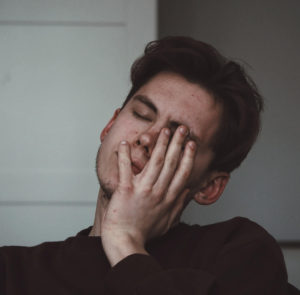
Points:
(141, 117)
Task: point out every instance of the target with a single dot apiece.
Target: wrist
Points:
(118, 247)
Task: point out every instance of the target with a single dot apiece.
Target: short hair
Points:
(224, 79)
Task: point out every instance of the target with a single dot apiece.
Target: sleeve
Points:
(256, 267)
(2, 275)
(253, 268)
(141, 274)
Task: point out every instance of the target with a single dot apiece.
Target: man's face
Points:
(167, 100)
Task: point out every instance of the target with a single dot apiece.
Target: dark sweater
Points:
(232, 257)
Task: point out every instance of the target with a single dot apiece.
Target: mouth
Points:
(136, 167)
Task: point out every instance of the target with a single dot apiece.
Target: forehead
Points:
(179, 100)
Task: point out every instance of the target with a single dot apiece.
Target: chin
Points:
(108, 184)
(108, 180)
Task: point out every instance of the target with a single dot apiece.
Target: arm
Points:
(147, 205)
(254, 266)
(142, 275)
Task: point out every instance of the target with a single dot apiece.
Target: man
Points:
(190, 118)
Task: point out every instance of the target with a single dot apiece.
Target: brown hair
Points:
(224, 79)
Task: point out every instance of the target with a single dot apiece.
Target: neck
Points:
(100, 208)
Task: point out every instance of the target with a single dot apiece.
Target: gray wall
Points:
(64, 68)
(265, 35)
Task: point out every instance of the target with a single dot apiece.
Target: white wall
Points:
(265, 34)
(64, 68)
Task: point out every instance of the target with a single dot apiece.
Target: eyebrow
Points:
(147, 101)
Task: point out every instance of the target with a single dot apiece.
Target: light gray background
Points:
(64, 69)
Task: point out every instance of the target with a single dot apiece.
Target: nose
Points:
(147, 141)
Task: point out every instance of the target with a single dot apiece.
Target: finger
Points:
(153, 168)
(124, 163)
(172, 159)
(179, 206)
(183, 172)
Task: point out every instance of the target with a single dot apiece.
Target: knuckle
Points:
(127, 188)
(124, 161)
(186, 174)
(145, 189)
(157, 198)
(158, 194)
(172, 163)
(159, 161)
(170, 199)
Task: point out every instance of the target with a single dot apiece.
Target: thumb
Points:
(124, 164)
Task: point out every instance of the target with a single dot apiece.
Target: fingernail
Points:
(192, 145)
(167, 131)
(183, 130)
(123, 142)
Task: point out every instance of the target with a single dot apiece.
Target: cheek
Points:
(120, 132)
(202, 162)
(124, 127)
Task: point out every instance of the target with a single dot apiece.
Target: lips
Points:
(137, 166)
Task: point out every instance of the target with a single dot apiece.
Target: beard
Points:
(105, 186)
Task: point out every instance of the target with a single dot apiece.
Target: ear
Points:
(109, 124)
(212, 188)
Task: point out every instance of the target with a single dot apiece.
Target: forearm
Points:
(143, 275)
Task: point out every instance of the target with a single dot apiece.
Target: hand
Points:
(148, 204)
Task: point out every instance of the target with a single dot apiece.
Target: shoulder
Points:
(51, 259)
(240, 240)
(202, 245)
(238, 229)
(230, 234)
(22, 254)
(47, 250)
(238, 234)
